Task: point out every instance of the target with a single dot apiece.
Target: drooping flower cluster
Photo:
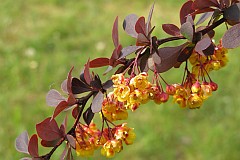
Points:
(202, 65)
(89, 138)
(137, 90)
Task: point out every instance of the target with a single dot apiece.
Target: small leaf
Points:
(185, 53)
(71, 140)
(97, 102)
(75, 112)
(64, 86)
(88, 115)
(140, 26)
(232, 14)
(128, 50)
(53, 98)
(202, 4)
(86, 72)
(202, 45)
(69, 81)
(187, 31)
(204, 17)
(61, 106)
(21, 143)
(142, 40)
(79, 86)
(115, 33)
(144, 61)
(231, 38)
(168, 57)
(129, 25)
(49, 143)
(148, 24)
(64, 153)
(96, 83)
(171, 29)
(99, 62)
(108, 84)
(33, 146)
(185, 10)
(48, 130)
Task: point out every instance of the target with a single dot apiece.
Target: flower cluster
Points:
(137, 90)
(89, 138)
(201, 64)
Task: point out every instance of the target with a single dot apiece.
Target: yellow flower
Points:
(111, 147)
(140, 81)
(125, 133)
(84, 148)
(122, 92)
(194, 101)
(206, 91)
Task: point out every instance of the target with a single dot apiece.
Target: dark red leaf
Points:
(49, 143)
(171, 29)
(99, 62)
(75, 112)
(231, 38)
(21, 143)
(71, 140)
(144, 60)
(108, 84)
(96, 83)
(185, 10)
(71, 100)
(79, 86)
(86, 72)
(69, 81)
(204, 17)
(53, 98)
(115, 55)
(97, 102)
(210, 50)
(128, 50)
(232, 14)
(129, 25)
(115, 33)
(61, 106)
(202, 45)
(140, 26)
(168, 57)
(187, 31)
(205, 10)
(63, 130)
(185, 53)
(48, 130)
(142, 40)
(26, 158)
(148, 24)
(33, 146)
(202, 4)
(88, 116)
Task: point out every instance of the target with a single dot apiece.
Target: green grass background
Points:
(41, 40)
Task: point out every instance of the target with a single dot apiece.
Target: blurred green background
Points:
(41, 40)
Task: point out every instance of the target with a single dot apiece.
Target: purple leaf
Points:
(140, 26)
(99, 62)
(69, 81)
(204, 17)
(53, 98)
(187, 30)
(202, 4)
(144, 61)
(142, 40)
(129, 25)
(21, 144)
(61, 106)
(128, 50)
(88, 115)
(71, 140)
(232, 14)
(79, 87)
(33, 146)
(64, 153)
(49, 143)
(86, 72)
(115, 33)
(148, 24)
(97, 102)
(171, 29)
(108, 84)
(231, 38)
(185, 10)
(64, 86)
(48, 130)
(202, 45)
(168, 57)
